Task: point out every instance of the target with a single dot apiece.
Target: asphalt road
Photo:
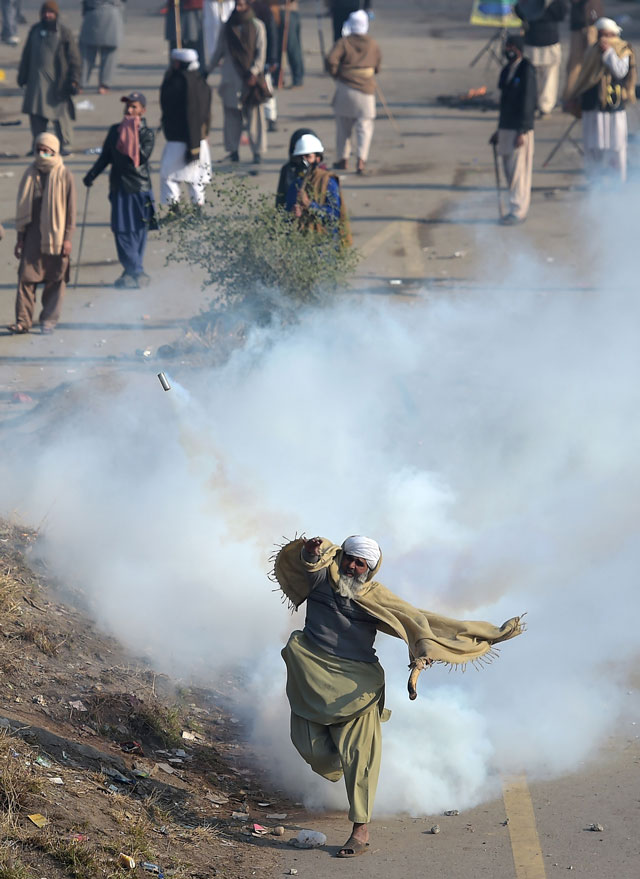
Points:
(426, 216)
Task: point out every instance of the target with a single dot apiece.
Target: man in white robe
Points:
(215, 13)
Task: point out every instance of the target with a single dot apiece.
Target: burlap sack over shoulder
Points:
(429, 636)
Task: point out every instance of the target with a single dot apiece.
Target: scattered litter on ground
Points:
(39, 700)
(132, 747)
(56, 780)
(38, 819)
(264, 805)
(596, 828)
(113, 789)
(166, 768)
(278, 831)
(77, 837)
(117, 776)
(218, 799)
(458, 254)
(395, 282)
(85, 105)
(20, 397)
(276, 816)
(43, 761)
(292, 871)
(126, 861)
(505, 823)
(435, 829)
(150, 868)
(451, 812)
(77, 704)
(240, 816)
(308, 839)
(6, 173)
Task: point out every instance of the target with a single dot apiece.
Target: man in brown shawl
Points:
(353, 63)
(605, 84)
(242, 47)
(335, 684)
(45, 221)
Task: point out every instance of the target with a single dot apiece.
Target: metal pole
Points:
(84, 222)
(390, 115)
(176, 12)
(497, 170)
(285, 40)
(559, 144)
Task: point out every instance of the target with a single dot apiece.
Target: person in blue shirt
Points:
(313, 195)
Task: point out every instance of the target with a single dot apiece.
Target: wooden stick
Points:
(285, 40)
(176, 12)
(390, 115)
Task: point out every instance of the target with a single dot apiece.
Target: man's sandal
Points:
(352, 848)
(17, 329)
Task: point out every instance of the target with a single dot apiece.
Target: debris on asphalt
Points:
(85, 105)
(451, 812)
(292, 871)
(596, 828)
(474, 99)
(435, 829)
(308, 839)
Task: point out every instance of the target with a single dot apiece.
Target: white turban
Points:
(608, 24)
(187, 56)
(362, 548)
(357, 23)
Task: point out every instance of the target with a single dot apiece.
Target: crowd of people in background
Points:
(250, 40)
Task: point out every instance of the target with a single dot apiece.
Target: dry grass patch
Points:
(19, 783)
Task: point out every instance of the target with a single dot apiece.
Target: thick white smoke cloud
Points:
(489, 444)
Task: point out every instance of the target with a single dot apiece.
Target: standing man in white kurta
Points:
(606, 83)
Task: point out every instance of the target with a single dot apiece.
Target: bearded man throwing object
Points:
(335, 684)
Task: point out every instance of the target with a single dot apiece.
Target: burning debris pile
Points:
(474, 99)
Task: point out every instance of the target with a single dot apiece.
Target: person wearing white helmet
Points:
(335, 683)
(604, 86)
(314, 195)
(353, 63)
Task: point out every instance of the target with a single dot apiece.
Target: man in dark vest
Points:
(514, 137)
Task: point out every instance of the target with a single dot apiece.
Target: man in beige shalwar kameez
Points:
(353, 63)
(45, 222)
(335, 684)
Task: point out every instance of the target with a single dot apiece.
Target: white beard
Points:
(350, 587)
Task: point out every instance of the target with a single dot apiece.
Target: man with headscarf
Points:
(214, 15)
(335, 684)
(340, 11)
(242, 47)
(185, 101)
(542, 46)
(50, 72)
(191, 27)
(45, 221)
(353, 63)
(605, 84)
(101, 33)
(583, 15)
(313, 195)
(514, 137)
(127, 148)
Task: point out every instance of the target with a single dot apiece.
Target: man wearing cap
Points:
(514, 137)
(353, 63)
(50, 69)
(604, 86)
(185, 101)
(314, 196)
(335, 684)
(242, 49)
(127, 148)
(45, 221)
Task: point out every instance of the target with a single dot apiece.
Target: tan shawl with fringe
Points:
(594, 71)
(429, 636)
(53, 213)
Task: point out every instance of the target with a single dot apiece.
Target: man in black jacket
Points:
(127, 148)
(542, 46)
(514, 137)
(185, 100)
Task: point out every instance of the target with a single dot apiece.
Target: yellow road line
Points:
(525, 845)
(370, 246)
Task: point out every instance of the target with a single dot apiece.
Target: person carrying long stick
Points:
(514, 136)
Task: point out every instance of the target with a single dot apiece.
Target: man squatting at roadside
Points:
(335, 684)
(514, 137)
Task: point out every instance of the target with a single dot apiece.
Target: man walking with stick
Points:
(514, 138)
